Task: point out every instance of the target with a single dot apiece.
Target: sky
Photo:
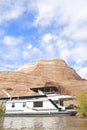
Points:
(43, 29)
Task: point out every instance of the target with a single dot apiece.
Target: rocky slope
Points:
(42, 73)
(54, 69)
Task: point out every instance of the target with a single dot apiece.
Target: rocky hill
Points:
(54, 69)
(53, 72)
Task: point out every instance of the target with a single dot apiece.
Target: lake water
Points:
(43, 123)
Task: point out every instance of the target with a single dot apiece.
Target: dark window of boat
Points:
(38, 104)
(24, 104)
(13, 104)
(55, 101)
(61, 102)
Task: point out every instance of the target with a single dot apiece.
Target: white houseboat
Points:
(45, 103)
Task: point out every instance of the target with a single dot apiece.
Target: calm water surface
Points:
(43, 123)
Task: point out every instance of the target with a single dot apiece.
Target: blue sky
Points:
(36, 29)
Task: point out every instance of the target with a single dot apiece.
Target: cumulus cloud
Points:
(61, 11)
(15, 9)
(45, 13)
(10, 10)
(29, 46)
(65, 54)
(12, 41)
(10, 49)
(82, 71)
(71, 13)
(9, 67)
(31, 53)
(49, 37)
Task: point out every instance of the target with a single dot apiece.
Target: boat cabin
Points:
(47, 101)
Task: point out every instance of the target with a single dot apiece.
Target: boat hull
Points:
(58, 113)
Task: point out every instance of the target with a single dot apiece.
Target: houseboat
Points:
(46, 102)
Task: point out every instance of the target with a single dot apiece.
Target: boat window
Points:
(61, 102)
(13, 104)
(55, 101)
(38, 104)
(24, 104)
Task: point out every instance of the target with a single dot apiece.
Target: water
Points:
(43, 123)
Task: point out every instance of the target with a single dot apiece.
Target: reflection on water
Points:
(42, 123)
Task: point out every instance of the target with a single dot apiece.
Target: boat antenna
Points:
(7, 94)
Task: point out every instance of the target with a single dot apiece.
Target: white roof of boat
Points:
(58, 96)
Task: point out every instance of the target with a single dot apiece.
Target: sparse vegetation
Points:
(82, 103)
(1, 110)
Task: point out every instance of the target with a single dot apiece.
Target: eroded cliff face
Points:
(54, 72)
(54, 69)
(18, 83)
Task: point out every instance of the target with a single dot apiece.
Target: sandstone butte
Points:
(52, 72)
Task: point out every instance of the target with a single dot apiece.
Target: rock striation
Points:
(52, 72)
(55, 69)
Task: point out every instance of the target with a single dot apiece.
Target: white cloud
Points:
(76, 31)
(60, 11)
(29, 46)
(82, 72)
(15, 9)
(80, 33)
(45, 13)
(11, 54)
(25, 54)
(49, 37)
(11, 9)
(12, 41)
(65, 54)
(47, 44)
(56, 46)
(50, 51)
(11, 49)
(78, 53)
(63, 44)
(31, 53)
(35, 49)
(9, 67)
(71, 13)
